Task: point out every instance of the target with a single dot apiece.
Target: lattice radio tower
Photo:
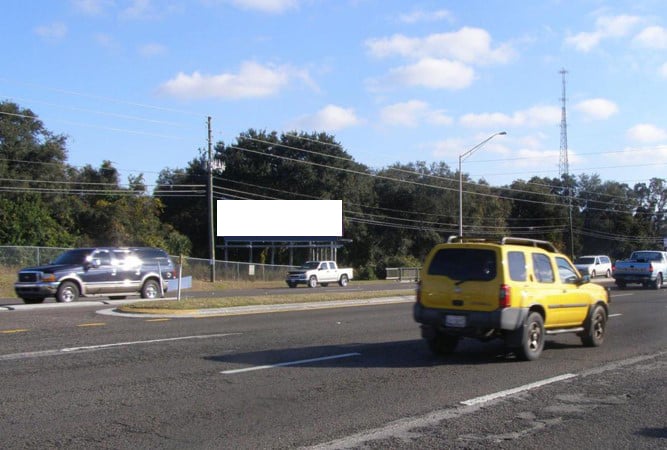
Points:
(563, 165)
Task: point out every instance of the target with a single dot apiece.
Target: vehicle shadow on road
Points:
(653, 432)
(400, 354)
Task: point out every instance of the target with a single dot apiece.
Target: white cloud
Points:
(605, 27)
(266, 6)
(434, 74)
(105, 40)
(597, 108)
(149, 9)
(253, 80)
(418, 16)
(468, 45)
(663, 70)
(56, 30)
(412, 113)
(532, 117)
(646, 133)
(652, 37)
(152, 49)
(330, 118)
(438, 61)
(91, 7)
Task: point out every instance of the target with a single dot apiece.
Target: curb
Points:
(257, 309)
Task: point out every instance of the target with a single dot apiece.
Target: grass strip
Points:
(226, 302)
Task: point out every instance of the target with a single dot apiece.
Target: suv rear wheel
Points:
(532, 341)
(443, 344)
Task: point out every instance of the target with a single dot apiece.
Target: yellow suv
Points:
(516, 289)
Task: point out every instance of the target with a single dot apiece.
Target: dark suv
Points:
(113, 272)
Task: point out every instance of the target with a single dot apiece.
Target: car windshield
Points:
(311, 265)
(77, 256)
(464, 264)
(584, 260)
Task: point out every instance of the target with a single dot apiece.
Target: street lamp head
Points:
(463, 156)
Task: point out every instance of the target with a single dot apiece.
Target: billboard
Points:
(279, 219)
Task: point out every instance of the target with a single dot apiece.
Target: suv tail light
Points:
(505, 296)
(419, 292)
(650, 268)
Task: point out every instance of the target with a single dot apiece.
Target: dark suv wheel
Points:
(442, 344)
(150, 289)
(532, 341)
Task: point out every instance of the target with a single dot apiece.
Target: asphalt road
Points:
(337, 378)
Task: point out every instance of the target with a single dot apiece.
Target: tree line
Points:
(392, 216)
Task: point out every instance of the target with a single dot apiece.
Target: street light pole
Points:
(462, 157)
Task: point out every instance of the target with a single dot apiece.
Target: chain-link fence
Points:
(199, 269)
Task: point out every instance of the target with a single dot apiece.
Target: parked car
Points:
(114, 272)
(645, 267)
(518, 290)
(594, 265)
(312, 273)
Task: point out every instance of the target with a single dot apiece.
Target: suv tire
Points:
(67, 292)
(150, 289)
(443, 344)
(532, 339)
(596, 326)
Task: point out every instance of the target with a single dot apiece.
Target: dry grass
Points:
(225, 302)
(7, 279)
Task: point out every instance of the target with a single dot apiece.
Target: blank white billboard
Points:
(279, 218)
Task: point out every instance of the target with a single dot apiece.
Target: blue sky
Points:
(133, 81)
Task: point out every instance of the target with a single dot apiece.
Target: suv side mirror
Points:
(584, 279)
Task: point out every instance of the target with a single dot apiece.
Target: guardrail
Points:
(403, 274)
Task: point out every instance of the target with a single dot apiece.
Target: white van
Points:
(594, 265)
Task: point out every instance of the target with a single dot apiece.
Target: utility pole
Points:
(211, 221)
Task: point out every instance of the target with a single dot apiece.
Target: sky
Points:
(134, 81)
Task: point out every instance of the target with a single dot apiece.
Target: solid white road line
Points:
(289, 363)
(526, 387)
(70, 350)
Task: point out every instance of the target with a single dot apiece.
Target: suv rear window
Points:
(464, 264)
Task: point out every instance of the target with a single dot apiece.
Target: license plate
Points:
(455, 321)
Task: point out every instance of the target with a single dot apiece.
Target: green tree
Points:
(32, 163)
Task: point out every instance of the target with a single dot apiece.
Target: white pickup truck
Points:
(647, 267)
(312, 273)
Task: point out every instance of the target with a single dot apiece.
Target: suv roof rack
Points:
(545, 245)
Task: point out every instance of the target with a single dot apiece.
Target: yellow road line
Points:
(18, 330)
(157, 320)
